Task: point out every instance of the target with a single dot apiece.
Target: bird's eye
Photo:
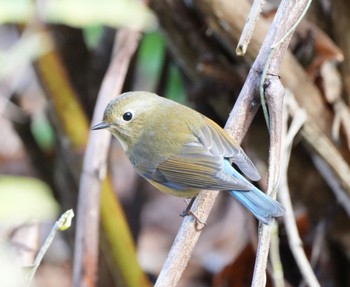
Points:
(127, 116)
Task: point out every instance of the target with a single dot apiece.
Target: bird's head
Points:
(125, 116)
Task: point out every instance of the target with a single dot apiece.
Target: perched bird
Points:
(182, 152)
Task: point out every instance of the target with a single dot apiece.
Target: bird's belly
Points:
(146, 164)
(185, 193)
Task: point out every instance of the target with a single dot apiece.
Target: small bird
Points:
(182, 152)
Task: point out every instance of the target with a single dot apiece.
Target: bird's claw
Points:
(198, 224)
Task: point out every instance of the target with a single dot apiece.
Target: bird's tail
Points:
(261, 205)
(257, 202)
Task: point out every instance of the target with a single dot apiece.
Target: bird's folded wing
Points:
(218, 142)
(196, 167)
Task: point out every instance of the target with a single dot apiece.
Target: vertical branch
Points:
(86, 242)
(275, 258)
(274, 92)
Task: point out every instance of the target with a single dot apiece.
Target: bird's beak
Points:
(100, 126)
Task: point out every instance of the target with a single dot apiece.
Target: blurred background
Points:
(53, 57)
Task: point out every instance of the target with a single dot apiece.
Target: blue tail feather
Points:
(257, 202)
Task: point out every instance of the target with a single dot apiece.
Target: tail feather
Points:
(257, 202)
(261, 205)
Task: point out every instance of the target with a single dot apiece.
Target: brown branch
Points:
(86, 243)
(274, 94)
(248, 30)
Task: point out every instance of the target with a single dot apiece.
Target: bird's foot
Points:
(198, 224)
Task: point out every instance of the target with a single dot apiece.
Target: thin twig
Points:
(248, 30)
(294, 240)
(318, 244)
(86, 241)
(341, 195)
(277, 270)
(63, 223)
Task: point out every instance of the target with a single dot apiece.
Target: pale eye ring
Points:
(127, 116)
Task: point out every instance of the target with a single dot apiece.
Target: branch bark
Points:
(249, 28)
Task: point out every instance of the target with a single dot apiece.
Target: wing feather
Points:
(197, 168)
(199, 164)
(218, 142)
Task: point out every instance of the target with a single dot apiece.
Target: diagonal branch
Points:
(249, 27)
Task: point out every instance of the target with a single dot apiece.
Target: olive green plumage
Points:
(181, 151)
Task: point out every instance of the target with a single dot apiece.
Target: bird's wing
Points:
(196, 167)
(218, 142)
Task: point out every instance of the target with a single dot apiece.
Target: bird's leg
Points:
(188, 212)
